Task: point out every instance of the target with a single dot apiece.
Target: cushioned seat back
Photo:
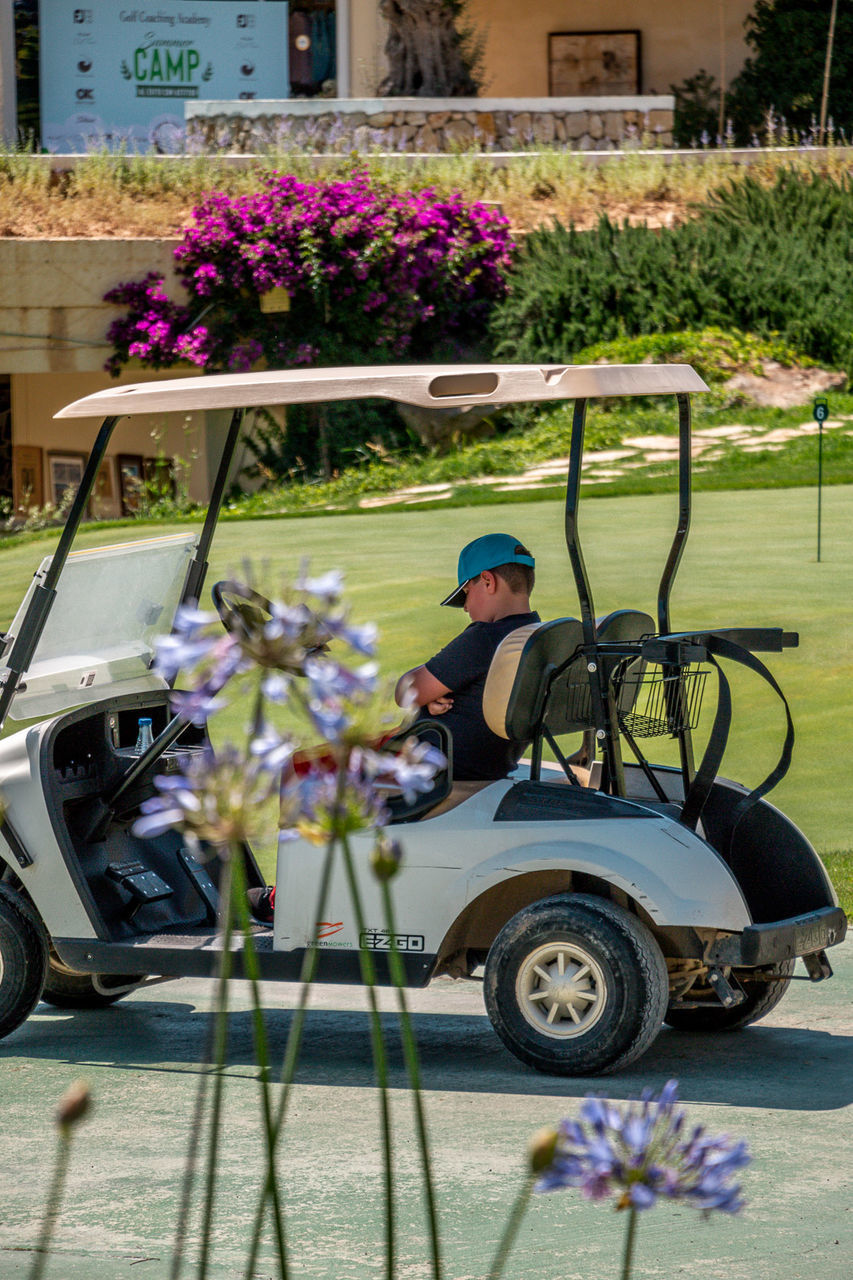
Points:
(629, 626)
(519, 676)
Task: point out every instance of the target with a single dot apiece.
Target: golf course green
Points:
(750, 560)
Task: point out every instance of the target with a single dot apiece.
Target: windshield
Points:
(111, 603)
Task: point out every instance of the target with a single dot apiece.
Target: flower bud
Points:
(73, 1105)
(385, 857)
(542, 1149)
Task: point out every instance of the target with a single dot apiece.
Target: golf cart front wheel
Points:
(65, 988)
(763, 989)
(575, 985)
(23, 959)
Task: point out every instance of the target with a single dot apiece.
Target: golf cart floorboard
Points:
(198, 954)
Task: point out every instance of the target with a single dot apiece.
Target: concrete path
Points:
(785, 1085)
(635, 453)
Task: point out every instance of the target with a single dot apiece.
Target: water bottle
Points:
(145, 737)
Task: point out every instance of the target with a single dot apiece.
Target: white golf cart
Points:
(601, 901)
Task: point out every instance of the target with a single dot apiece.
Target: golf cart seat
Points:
(435, 735)
(538, 686)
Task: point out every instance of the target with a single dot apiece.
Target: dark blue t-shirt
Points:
(462, 665)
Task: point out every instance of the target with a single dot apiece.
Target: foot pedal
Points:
(142, 884)
(207, 890)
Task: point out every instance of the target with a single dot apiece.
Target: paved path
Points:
(635, 453)
(785, 1085)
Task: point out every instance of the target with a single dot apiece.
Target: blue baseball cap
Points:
(484, 553)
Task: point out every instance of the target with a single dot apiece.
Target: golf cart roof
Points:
(429, 386)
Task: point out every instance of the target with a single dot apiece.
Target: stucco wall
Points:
(677, 38)
(53, 324)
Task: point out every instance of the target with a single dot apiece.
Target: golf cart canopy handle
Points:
(691, 646)
(428, 386)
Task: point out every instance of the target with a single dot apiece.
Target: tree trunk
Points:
(424, 50)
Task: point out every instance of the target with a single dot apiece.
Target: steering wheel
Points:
(241, 609)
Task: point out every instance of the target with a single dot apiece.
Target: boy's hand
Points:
(439, 705)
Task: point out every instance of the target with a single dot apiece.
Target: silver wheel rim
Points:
(561, 990)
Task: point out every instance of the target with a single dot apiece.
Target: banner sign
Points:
(118, 75)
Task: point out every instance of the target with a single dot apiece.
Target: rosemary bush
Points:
(773, 261)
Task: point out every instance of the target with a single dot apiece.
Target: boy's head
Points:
(499, 553)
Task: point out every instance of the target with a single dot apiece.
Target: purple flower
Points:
(219, 799)
(413, 769)
(320, 805)
(641, 1154)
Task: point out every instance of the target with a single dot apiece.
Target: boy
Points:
(495, 577)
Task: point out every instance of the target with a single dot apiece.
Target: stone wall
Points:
(430, 124)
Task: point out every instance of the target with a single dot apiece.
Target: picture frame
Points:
(131, 478)
(584, 64)
(64, 471)
(27, 476)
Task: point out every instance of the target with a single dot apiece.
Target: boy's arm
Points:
(419, 684)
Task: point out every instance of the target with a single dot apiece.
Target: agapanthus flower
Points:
(642, 1153)
(324, 804)
(218, 799)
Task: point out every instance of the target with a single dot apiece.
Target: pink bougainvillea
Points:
(372, 275)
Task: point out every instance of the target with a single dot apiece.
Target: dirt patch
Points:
(779, 387)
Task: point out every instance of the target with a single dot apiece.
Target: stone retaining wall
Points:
(430, 124)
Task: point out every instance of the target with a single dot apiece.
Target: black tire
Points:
(761, 996)
(618, 986)
(23, 959)
(68, 990)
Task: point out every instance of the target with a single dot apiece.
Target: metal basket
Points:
(659, 701)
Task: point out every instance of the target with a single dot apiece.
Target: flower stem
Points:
(220, 1045)
(410, 1051)
(630, 1234)
(511, 1229)
(252, 972)
(192, 1157)
(308, 971)
(54, 1200)
(380, 1061)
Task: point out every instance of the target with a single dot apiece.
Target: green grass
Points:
(548, 436)
(750, 560)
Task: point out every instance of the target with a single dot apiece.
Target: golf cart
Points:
(599, 902)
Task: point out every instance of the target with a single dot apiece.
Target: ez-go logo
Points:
(245, 19)
(82, 15)
(380, 940)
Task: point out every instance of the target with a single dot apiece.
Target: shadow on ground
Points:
(765, 1066)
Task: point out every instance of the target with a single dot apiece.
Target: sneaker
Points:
(262, 903)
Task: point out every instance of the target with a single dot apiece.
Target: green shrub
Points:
(777, 95)
(773, 261)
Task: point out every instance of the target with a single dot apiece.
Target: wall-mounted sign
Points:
(118, 75)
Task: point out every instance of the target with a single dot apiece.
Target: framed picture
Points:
(595, 64)
(65, 471)
(103, 501)
(27, 476)
(131, 478)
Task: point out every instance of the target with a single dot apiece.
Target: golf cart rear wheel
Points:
(66, 989)
(763, 990)
(23, 959)
(575, 985)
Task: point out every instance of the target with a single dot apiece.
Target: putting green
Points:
(750, 560)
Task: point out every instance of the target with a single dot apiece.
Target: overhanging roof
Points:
(429, 386)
